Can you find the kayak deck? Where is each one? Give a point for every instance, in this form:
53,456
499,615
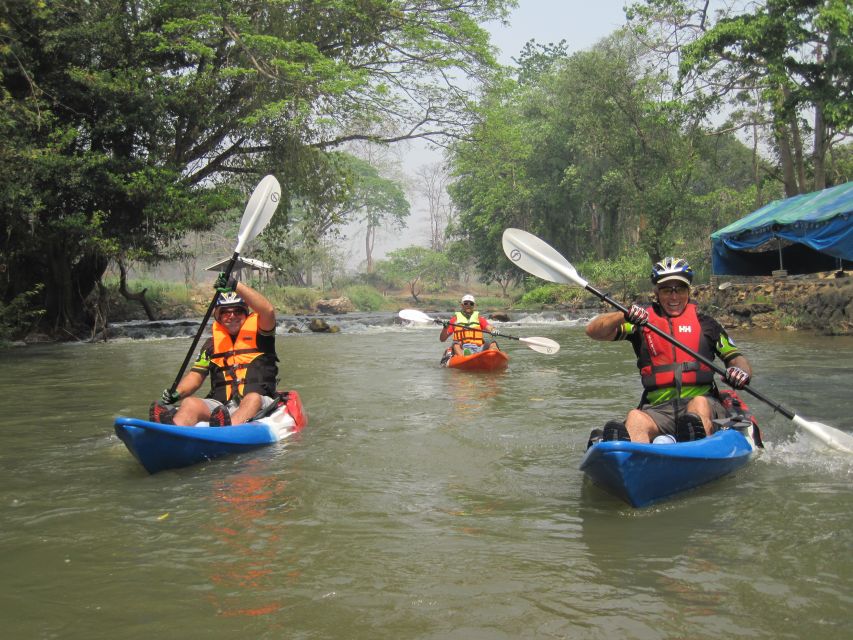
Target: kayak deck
165,446
487,360
642,473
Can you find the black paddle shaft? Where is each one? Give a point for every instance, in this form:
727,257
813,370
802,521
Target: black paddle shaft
228,269
663,334
499,335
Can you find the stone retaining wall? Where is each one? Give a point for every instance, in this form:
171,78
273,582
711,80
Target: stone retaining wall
823,304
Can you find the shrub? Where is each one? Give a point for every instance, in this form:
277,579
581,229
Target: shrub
17,317
364,297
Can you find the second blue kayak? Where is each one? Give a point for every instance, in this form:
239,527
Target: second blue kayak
166,446
642,473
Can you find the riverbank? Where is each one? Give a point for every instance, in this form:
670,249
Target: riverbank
821,303
818,303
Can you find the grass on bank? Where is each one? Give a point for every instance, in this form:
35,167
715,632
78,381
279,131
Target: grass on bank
626,278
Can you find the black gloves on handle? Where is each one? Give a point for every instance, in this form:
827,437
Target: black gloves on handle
737,377
636,314
170,397
225,285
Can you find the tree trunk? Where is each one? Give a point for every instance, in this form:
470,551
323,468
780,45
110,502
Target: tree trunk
819,153
139,297
785,158
369,239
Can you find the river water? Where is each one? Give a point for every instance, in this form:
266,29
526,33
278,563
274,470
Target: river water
419,502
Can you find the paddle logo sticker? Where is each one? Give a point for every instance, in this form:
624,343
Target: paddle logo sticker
515,255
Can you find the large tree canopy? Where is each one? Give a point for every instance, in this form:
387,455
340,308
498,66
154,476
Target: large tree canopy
127,123
590,152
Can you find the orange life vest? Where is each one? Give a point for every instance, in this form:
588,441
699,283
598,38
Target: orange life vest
467,330
238,369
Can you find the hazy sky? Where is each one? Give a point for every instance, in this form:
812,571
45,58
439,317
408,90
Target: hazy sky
581,23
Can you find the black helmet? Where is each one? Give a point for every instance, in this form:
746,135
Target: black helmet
672,269
230,299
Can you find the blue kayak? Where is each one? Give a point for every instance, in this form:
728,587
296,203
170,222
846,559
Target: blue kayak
642,473
165,446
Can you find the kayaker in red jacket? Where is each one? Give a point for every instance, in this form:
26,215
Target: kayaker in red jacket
467,328
680,397
239,358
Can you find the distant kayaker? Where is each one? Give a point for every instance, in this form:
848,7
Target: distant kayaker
239,358
680,397
467,328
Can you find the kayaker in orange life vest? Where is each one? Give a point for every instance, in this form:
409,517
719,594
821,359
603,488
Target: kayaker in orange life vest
239,358
465,328
680,397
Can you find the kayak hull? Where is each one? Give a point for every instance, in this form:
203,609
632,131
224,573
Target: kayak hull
642,474
488,360
158,447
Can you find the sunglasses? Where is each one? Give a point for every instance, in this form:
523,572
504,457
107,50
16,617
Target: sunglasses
679,289
467,304
236,311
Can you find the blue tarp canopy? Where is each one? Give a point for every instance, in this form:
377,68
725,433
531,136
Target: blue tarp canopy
804,234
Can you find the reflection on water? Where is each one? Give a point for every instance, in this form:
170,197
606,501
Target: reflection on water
470,392
248,526
419,502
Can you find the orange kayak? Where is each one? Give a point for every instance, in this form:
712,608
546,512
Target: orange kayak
489,360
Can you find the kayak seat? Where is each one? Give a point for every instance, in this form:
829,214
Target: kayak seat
615,430
689,427
281,398
594,437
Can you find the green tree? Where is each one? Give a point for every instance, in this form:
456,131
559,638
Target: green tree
593,152
126,124
377,201
782,68
418,268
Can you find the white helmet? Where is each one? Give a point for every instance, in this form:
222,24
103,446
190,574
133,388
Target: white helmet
230,299
672,269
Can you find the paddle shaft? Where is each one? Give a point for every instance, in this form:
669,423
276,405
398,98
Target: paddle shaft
228,269
663,334
500,335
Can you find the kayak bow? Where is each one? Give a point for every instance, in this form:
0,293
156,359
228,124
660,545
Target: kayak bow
166,446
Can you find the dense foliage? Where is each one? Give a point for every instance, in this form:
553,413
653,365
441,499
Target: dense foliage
586,154
126,124
624,146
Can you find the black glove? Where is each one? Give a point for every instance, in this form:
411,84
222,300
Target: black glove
170,397
737,377
224,284
636,314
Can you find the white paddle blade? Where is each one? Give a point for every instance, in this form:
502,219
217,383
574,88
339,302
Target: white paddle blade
539,258
259,210
413,315
830,436
542,345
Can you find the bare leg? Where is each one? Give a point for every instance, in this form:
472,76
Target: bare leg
191,411
249,406
640,426
702,408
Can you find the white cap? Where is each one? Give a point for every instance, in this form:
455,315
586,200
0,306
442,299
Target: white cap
468,298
